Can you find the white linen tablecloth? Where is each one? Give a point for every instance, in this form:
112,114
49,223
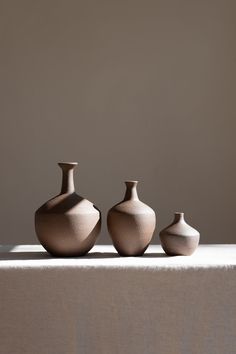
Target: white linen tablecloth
106,304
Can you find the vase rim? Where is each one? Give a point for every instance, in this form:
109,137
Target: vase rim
68,163
131,181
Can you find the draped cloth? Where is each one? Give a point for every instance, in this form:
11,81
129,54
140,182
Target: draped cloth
106,304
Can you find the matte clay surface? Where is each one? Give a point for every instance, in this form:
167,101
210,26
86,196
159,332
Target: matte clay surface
131,223
67,225
179,238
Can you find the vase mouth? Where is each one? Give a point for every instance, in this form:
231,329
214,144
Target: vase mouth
67,166
179,213
67,163
132,182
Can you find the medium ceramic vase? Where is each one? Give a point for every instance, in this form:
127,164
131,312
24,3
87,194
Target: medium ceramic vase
179,238
131,223
67,225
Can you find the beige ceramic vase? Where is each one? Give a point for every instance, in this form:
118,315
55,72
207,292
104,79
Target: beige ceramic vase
67,225
131,223
179,238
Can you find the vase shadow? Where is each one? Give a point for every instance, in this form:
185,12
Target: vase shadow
24,256
155,255
100,255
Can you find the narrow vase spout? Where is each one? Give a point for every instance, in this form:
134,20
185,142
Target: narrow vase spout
131,190
179,217
67,176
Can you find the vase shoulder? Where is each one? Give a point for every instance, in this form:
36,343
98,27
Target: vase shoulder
180,229
132,207
68,204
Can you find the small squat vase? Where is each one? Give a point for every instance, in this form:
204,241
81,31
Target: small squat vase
179,238
67,225
131,223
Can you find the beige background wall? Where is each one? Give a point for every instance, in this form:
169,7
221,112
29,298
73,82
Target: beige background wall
131,90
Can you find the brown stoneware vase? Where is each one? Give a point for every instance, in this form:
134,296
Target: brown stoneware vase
131,223
179,239
67,225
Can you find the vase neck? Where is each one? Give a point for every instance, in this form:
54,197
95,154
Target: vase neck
131,190
67,176
179,217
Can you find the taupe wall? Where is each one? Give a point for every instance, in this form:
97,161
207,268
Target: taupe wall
131,90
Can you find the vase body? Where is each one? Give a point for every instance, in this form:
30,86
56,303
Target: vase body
67,225
179,238
131,223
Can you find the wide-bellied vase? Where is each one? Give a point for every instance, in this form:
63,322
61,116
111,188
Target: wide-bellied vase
131,223
67,225
179,238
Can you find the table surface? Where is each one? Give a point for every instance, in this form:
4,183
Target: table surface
105,256
103,303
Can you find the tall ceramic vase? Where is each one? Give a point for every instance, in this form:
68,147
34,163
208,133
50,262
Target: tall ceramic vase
67,225
131,223
179,238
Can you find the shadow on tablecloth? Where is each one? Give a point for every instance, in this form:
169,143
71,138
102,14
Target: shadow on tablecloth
9,256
